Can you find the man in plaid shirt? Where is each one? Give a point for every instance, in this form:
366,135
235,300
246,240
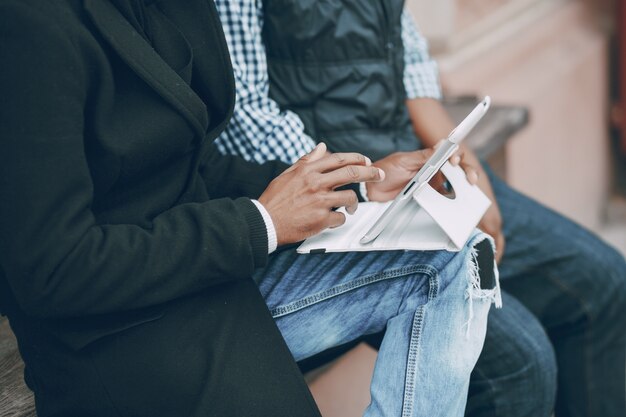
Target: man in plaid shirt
259,130
557,276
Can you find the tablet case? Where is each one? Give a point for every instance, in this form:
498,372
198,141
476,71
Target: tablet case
431,222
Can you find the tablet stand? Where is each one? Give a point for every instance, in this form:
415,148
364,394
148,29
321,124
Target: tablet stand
459,216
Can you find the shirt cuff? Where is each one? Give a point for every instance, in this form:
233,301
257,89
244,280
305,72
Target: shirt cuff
272,241
363,191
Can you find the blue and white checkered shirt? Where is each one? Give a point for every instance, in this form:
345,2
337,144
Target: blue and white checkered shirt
259,130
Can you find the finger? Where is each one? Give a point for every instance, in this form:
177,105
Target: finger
351,174
337,160
500,245
471,173
318,152
335,219
486,226
413,161
344,198
456,157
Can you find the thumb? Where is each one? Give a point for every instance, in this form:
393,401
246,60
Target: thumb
414,160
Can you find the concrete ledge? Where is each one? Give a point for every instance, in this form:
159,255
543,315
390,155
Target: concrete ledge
16,400
498,126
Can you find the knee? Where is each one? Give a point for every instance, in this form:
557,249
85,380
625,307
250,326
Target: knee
517,370
615,307
523,384
596,280
540,373
608,300
617,271
531,364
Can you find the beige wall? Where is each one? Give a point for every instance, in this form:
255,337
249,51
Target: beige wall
550,58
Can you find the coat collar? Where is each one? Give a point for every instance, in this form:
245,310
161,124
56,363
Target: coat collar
142,58
199,21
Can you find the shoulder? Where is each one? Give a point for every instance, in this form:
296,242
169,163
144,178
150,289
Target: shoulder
37,17
39,23
39,49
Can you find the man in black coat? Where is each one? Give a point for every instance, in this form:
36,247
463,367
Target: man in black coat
128,244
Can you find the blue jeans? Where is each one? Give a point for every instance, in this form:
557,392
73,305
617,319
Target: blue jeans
564,295
431,303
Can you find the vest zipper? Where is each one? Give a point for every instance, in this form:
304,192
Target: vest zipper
387,27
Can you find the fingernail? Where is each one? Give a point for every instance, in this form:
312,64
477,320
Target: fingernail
473,177
381,173
368,161
456,159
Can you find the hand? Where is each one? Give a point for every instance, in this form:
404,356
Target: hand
301,200
401,167
459,158
491,223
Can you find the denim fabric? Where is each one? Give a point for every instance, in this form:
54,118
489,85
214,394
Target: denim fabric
571,289
516,372
425,299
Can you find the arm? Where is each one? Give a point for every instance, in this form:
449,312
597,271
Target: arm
57,258
431,122
232,176
258,131
421,74
421,82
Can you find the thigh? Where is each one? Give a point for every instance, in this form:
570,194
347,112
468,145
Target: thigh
557,268
576,285
321,301
216,353
516,372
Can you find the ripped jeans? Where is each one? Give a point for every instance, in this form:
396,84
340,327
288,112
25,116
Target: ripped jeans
433,305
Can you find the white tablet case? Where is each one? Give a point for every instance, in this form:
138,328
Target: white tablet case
434,222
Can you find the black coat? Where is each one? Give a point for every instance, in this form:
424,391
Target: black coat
126,241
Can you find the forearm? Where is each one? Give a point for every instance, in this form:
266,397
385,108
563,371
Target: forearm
430,120
431,123
86,268
259,129
421,82
238,177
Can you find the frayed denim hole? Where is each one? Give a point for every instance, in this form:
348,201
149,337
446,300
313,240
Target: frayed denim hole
484,282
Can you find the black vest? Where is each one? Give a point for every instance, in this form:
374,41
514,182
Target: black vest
339,65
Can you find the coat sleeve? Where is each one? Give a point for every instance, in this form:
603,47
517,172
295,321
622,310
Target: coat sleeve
244,178
57,259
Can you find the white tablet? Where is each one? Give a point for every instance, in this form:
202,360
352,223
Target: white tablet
445,150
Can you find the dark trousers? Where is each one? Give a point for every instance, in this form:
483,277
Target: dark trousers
560,340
